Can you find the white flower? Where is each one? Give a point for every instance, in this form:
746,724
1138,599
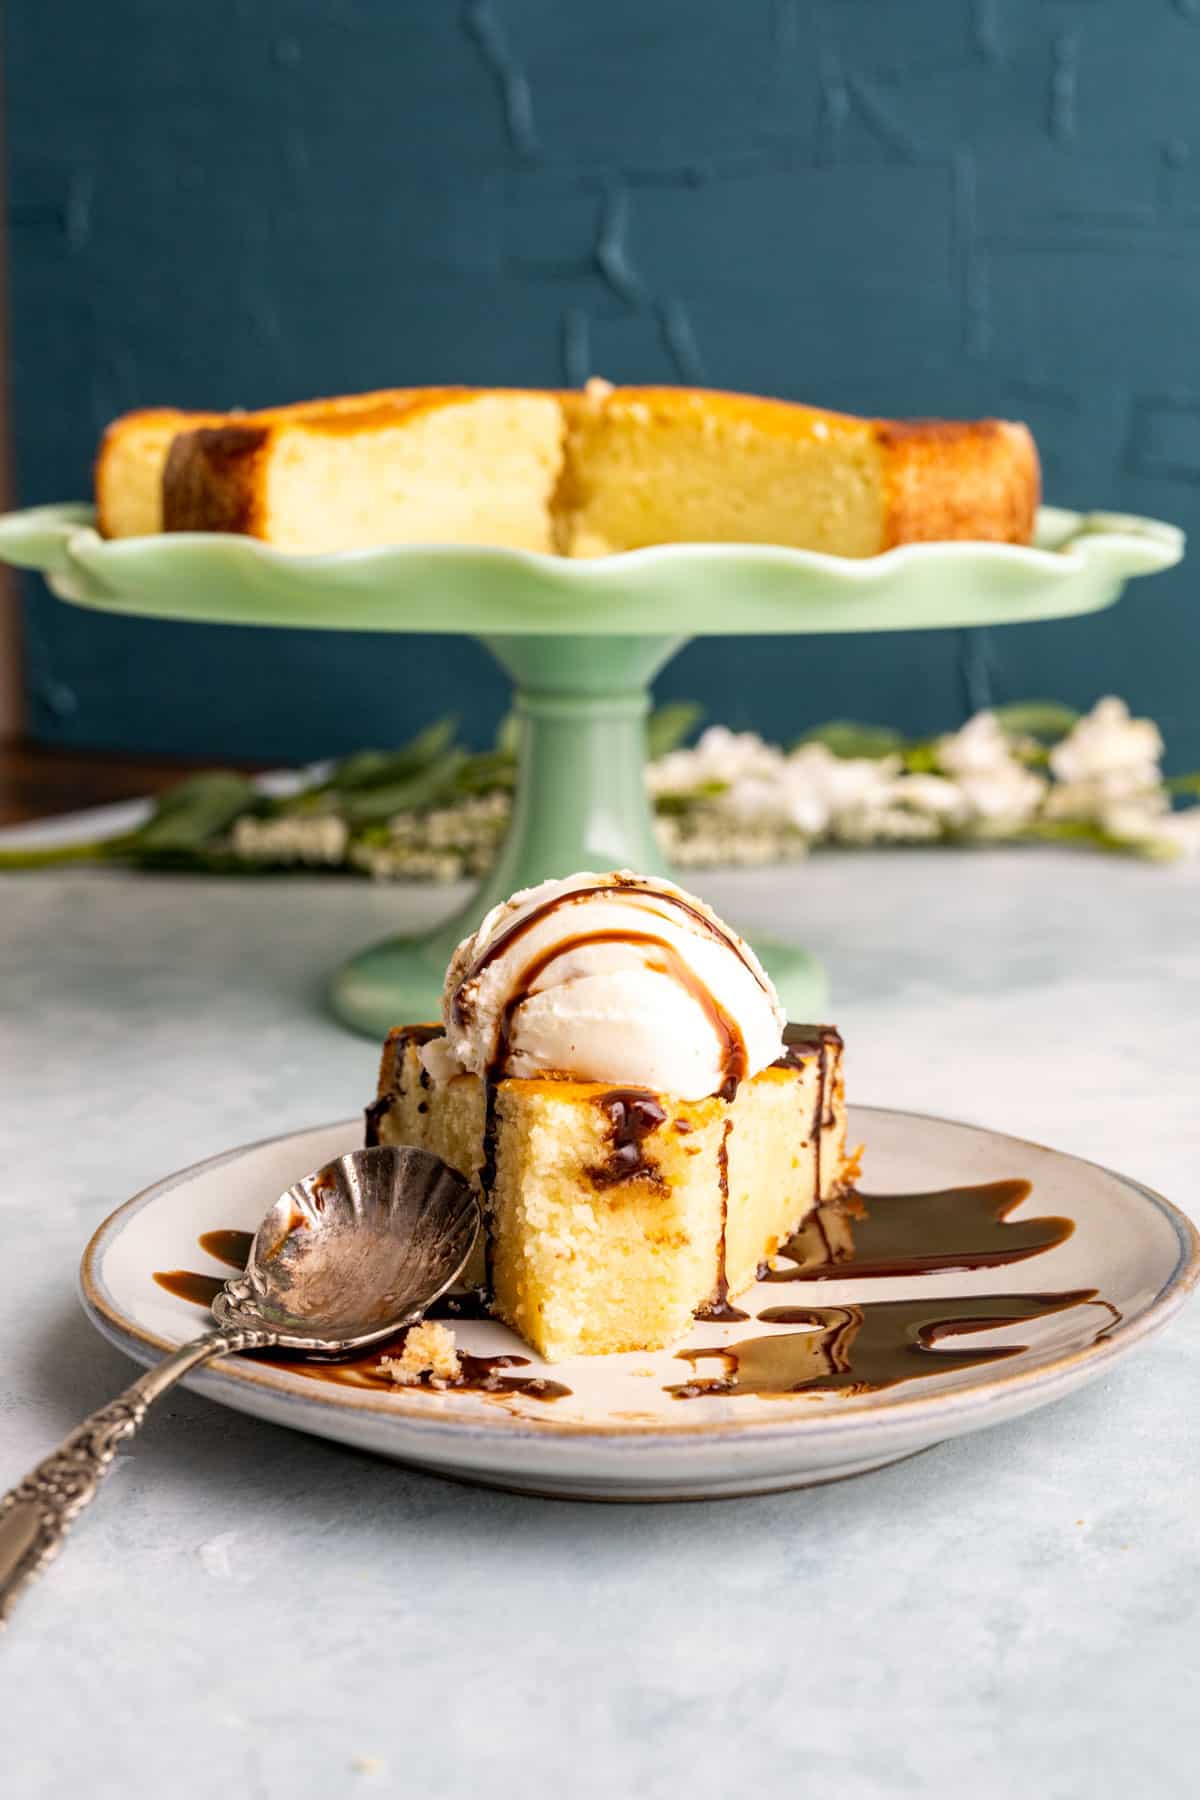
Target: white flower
903,809
319,839
709,838
1001,800
1107,803
764,800
932,794
855,799
981,747
720,756
1137,818
1109,747
999,793
885,825
1180,830
822,787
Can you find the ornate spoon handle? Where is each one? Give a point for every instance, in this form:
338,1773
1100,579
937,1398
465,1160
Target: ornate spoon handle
36,1514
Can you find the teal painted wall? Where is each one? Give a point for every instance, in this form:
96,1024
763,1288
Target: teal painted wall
940,206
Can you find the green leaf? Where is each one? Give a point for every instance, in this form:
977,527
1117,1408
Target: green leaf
189,816
1036,718
921,758
50,856
1183,784
428,787
382,768
1086,831
490,772
670,726
688,799
508,735
849,738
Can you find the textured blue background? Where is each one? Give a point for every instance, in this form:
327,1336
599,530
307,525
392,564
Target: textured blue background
940,206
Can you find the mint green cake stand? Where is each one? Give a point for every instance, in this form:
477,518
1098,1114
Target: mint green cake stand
582,641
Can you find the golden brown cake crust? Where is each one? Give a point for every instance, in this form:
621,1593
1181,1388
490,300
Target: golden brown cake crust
213,480
948,479
137,438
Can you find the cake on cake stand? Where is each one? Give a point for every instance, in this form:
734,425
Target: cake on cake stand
582,642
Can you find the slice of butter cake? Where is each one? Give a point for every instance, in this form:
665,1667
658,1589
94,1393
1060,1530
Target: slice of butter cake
612,1074
614,1215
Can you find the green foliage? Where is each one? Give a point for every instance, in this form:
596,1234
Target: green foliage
183,822
492,771
508,735
189,827
849,738
429,786
188,816
1094,837
388,768
670,726
1045,719
921,758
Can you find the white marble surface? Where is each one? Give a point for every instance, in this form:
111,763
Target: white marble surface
249,1611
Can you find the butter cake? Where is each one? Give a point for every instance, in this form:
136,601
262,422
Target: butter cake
617,1209
583,474
678,465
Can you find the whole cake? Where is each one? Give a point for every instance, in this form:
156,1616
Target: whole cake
613,1074
579,474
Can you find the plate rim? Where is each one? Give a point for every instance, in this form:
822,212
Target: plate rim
851,1416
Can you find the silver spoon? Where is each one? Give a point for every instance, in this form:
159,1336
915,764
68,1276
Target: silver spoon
350,1254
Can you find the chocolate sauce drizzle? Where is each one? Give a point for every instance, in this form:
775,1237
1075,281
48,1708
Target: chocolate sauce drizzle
391,1075
633,1114
861,1349
481,1374
799,1043
365,1367
487,1174
622,884
187,1284
718,1306
728,1032
229,1247
878,1235
373,1117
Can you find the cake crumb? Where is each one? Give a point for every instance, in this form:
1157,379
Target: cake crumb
367,1765
430,1354
852,1167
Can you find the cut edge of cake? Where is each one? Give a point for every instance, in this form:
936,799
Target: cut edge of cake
433,465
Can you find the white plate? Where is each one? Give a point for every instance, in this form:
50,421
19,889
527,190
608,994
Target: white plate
620,1435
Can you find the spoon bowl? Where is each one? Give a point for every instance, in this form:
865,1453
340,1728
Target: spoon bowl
355,1251
345,1257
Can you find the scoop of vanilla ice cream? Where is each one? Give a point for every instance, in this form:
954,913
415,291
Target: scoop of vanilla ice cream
616,977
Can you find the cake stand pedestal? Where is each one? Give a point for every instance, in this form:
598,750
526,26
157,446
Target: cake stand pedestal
580,803
582,642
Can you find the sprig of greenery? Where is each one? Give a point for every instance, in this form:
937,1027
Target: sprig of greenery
670,726
190,827
850,739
